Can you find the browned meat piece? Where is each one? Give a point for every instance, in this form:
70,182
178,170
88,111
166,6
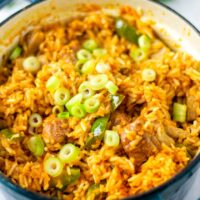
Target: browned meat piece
54,130
119,118
33,41
173,131
192,105
147,146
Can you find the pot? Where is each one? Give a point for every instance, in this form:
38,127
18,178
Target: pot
177,33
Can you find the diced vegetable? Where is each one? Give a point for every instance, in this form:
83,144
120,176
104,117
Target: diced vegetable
9,134
102,67
90,45
63,115
179,112
144,42
61,96
36,145
124,29
91,104
69,153
53,84
73,101
77,111
65,179
111,138
99,126
88,67
84,55
98,53
93,192
86,90
31,64
57,109
98,82
116,100
111,87
148,75
53,166
15,53
138,54
35,120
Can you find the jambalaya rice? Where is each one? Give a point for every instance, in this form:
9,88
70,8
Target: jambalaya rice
139,128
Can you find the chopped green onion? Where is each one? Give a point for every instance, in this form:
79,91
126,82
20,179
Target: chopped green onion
61,96
98,82
57,109
88,67
69,153
91,105
102,67
148,75
99,126
36,145
111,87
144,42
86,90
35,120
138,55
15,53
83,54
116,101
53,83
93,192
9,134
179,112
53,166
90,45
111,138
98,53
79,64
74,175
63,115
74,100
125,30
31,64
77,111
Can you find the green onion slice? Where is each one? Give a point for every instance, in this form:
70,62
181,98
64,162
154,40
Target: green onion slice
69,153
138,55
57,109
53,84
90,45
86,90
91,104
77,111
63,115
61,96
144,42
74,100
35,120
98,82
84,55
179,112
111,87
53,166
111,138
31,64
148,75
88,67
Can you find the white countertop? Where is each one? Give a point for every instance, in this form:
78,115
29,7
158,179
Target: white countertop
189,9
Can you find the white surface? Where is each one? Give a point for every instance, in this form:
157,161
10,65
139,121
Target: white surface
189,9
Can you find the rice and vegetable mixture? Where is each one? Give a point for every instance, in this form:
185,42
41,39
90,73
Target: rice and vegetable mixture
97,108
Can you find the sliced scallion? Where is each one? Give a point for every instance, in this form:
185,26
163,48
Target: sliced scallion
61,96
90,45
31,64
148,75
98,82
77,111
138,55
35,120
111,138
179,112
52,83
144,42
91,105
88,67
15,53
69,153
86,90
84,55
111,87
